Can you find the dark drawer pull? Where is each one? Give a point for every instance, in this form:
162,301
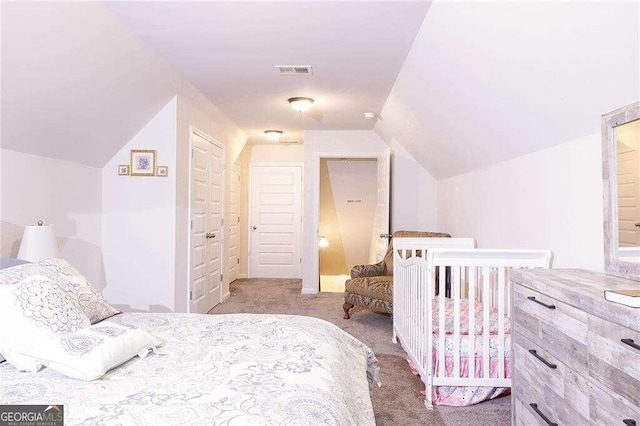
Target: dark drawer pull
533,299
631,343
549,422
544,361
629,422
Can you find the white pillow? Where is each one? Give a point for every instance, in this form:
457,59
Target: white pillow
90,299
89,353
17,274
34,311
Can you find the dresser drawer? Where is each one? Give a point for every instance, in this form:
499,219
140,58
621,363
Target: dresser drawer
532,408
612,362
607,409
551,384
555,326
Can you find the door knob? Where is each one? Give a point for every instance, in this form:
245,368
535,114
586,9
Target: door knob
385,235
254,228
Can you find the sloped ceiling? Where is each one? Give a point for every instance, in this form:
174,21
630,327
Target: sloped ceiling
76,83
485,82
229,50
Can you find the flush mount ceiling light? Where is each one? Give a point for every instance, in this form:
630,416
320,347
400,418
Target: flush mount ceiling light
372,116
273,135
301,104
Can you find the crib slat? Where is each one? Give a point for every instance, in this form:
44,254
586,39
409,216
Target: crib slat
414,307
441,322
486,285
472,322
501,285
456,320
423,327
428,355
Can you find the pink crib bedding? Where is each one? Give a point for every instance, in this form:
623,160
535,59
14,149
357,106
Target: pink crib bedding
460,396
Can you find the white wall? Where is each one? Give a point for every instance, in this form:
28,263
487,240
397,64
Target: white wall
349,143
551,199
58,192
138,239
414,198
489,81
276,153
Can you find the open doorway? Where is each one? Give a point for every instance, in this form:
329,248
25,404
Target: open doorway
347,218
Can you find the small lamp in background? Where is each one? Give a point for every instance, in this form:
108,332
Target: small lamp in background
323,242
38,243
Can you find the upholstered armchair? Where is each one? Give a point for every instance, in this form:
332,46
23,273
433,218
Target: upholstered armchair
371,286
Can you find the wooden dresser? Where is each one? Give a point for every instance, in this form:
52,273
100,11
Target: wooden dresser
576,356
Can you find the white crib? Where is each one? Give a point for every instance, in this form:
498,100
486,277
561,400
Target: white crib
475,275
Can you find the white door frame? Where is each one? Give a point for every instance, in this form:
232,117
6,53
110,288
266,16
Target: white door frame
250,206
195,131
315,266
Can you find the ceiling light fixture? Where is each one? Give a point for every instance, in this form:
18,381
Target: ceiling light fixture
301,104
372,116
273,135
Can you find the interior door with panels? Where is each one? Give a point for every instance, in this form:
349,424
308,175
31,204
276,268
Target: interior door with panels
233,270
276,222
207,167
628,196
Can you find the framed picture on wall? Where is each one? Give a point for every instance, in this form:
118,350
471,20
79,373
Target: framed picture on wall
123,170
143,162
162,171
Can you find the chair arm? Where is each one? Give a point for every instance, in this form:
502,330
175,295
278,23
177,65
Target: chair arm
361,271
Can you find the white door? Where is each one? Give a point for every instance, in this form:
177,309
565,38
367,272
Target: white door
276,222
207,166
234,223
382,207
628,197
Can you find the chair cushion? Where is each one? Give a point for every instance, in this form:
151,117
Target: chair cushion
373,287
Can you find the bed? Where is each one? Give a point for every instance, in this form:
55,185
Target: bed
218,369
65,344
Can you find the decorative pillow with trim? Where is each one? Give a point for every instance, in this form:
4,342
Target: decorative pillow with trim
89,353
89,298
16,274
33,311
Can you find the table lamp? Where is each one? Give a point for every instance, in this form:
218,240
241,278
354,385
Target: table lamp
38,243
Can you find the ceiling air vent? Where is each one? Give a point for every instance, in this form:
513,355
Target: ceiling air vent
295,69
289,141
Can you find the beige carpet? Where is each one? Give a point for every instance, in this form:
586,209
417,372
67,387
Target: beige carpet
398,401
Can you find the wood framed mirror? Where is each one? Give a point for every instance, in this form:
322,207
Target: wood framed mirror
621,191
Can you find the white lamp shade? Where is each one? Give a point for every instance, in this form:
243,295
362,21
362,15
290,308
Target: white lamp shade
323,242
38,243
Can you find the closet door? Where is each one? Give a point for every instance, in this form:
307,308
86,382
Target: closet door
207,167
233,270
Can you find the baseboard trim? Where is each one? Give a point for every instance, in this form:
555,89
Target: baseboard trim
243,276
309,291
225,297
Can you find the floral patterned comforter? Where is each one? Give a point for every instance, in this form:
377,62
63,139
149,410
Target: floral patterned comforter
218,369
